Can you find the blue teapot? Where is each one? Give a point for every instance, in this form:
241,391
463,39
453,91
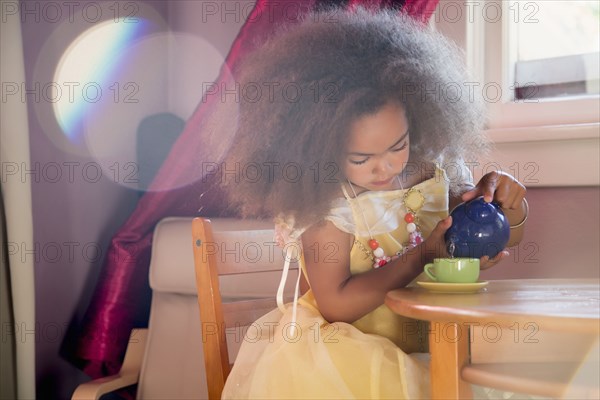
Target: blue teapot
478,229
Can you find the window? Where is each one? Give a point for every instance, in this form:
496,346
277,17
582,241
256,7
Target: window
536,62
557,47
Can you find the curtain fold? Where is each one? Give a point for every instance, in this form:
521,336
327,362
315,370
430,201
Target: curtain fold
121,299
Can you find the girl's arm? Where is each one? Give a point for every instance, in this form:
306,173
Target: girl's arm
509,193
344,297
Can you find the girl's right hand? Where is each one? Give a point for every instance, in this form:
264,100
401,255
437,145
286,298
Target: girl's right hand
435,245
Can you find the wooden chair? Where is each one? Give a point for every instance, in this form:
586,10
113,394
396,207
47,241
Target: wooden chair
226,247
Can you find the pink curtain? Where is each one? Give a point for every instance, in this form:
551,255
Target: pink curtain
121,300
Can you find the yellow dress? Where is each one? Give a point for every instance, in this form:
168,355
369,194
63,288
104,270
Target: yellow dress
368,359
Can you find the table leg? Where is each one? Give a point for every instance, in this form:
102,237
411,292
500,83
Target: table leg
449,348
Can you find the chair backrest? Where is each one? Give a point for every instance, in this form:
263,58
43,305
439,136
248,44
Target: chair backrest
229,247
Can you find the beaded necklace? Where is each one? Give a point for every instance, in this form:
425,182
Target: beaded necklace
412,200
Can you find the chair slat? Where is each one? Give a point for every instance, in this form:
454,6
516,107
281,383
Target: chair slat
244,313
229,247
246,251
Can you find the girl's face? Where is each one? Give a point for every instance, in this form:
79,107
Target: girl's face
378,148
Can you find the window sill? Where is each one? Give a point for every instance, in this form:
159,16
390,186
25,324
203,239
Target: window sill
543,133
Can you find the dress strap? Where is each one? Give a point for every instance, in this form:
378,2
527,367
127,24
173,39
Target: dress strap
288,238
346,194
290,248
292,253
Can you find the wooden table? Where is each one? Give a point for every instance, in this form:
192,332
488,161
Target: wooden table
557,305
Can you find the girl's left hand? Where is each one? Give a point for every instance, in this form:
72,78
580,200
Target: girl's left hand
505,190
500,187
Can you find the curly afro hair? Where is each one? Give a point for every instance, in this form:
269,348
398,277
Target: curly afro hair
302,89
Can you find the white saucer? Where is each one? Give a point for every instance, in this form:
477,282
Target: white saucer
441,287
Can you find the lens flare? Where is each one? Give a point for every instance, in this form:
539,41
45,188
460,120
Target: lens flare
124,91
83,74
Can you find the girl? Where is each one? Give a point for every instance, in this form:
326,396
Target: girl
352,146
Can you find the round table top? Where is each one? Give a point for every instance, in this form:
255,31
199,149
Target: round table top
571,305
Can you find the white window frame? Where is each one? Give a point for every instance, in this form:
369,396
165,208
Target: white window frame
509,113
560,137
